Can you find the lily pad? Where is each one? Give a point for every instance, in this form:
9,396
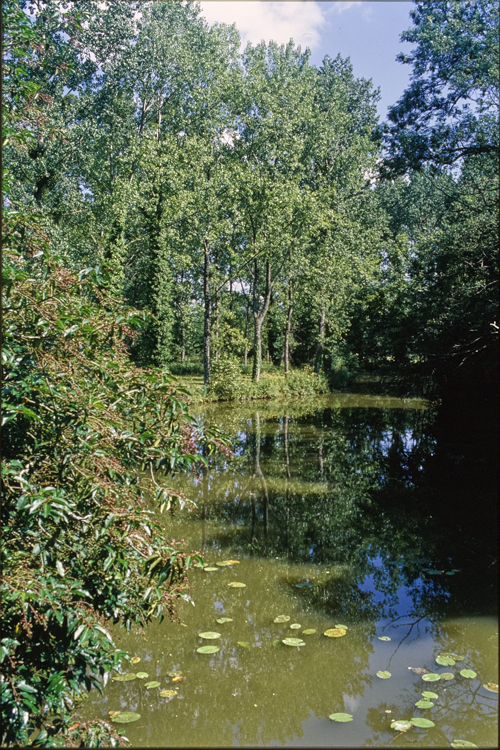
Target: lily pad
342,627
491,686
422,723
468,673
445,661
340,717
174,673
210,569
384,638
401,726
462,743
293,642
309,631
424,704
125,677
168,693
245,644
335,632
428,694
178,679
237,585
221,564
281,618
295,626
207,649
232,562
222,620
453,656
142,675
125,717
419,670
431,677
384,675
153,684
447,676
276,643
135,659
209,636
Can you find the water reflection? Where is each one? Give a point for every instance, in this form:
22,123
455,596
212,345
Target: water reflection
329,507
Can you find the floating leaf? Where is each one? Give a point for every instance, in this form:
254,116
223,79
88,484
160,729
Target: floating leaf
125,717
125,677
491,686
434,572
245,644
237,585
178,679
295,626
222,620
453,656
419,670
334,632
114,713
221,564
276,643
452,572
174,673
401,726
462,743
309,631
445,661
468,673
168,693
142,675
384,675
210,635
422,723
340,717
428,694
153,684
293,642
210,569
281,618
447,676
342,627
431,677
384,638
232,562
135,659
207,649
424,704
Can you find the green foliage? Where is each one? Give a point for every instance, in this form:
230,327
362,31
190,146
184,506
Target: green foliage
225,379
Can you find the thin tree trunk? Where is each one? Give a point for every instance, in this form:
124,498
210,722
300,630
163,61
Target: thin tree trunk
318,357
259,318
286,349
206,324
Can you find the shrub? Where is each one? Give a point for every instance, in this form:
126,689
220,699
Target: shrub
225,379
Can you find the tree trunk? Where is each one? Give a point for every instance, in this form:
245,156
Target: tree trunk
259,318
206,325
318,357
286,348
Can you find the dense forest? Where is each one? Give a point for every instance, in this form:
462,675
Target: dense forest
173,204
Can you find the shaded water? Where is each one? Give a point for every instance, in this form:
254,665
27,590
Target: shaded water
340,510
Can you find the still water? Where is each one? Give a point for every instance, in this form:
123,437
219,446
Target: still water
340,510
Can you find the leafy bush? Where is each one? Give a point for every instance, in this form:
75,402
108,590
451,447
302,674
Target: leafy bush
79,545
225,379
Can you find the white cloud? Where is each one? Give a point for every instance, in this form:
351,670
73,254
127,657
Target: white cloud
280,21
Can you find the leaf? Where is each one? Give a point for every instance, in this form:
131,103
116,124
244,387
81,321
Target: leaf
178,679
125,717
447,676
153,684
221,564
342,627
462,743
491,686
445,661
293,642
60,568
281,618
334,633
340,717
383,675
142,675
222,620
468,673
237,585
424,704
207,649
309,631
453,656
431,677
174,673
168,693
422,723
135,659
124,677
210,569
295,626
428,694
245,644
209,635
401,726
384,638
276,643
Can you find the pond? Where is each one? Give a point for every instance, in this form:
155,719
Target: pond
341,512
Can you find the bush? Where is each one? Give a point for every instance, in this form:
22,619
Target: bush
226,382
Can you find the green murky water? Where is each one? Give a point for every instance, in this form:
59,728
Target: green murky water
341,510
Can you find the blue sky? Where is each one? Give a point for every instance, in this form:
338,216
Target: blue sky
366,31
